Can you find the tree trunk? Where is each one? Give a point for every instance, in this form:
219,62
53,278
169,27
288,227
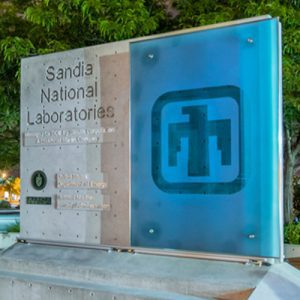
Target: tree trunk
288,188
291,154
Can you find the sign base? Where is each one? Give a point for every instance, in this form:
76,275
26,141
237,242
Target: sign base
32,270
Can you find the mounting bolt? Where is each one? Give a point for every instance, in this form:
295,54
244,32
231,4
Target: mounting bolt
251,236
250,40
151,230
150,55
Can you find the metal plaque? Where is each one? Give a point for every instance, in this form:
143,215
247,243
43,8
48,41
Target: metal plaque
39,180
38,200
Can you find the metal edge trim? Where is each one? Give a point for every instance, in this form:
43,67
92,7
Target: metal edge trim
202,28
280,144
154,251
129,151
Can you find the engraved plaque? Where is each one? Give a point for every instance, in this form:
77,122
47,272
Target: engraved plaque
38,200
75,146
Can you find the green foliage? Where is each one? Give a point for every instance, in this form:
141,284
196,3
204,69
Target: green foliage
4,204
14,47
94,21
13,227
292,233
14,44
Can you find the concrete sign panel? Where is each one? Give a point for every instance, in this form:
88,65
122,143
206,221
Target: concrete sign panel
75,150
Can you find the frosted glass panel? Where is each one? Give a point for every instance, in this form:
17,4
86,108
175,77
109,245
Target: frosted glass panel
204,132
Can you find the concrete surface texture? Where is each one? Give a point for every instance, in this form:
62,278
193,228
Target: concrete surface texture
281,282
31,271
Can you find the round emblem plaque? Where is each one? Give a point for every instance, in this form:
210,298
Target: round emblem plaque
38,180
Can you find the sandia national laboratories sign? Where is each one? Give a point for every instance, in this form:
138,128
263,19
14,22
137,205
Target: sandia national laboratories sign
162,142
65,93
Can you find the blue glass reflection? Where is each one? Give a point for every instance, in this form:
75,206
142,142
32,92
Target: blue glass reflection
204,125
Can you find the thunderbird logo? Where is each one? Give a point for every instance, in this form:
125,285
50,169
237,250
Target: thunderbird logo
196,141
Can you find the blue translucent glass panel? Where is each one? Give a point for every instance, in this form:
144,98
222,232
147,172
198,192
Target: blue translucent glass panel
204,132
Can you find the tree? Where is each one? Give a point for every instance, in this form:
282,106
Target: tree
11,24
12,186
31,27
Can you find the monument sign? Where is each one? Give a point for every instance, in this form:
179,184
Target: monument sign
172,141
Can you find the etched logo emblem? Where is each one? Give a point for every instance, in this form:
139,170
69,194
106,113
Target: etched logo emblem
38,180
196,142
